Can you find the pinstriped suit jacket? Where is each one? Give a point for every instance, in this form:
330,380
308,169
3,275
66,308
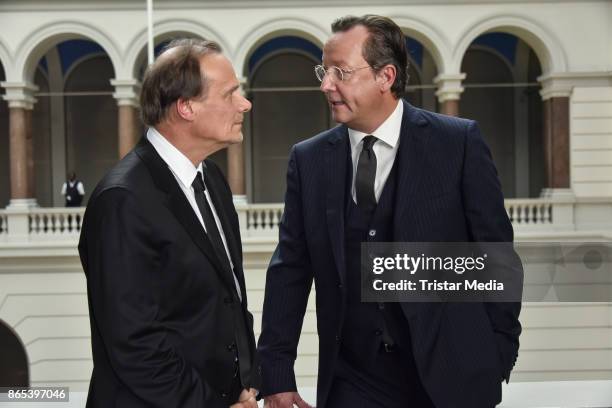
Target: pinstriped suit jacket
448,191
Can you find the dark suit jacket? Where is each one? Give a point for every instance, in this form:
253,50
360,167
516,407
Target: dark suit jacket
163,309
447,191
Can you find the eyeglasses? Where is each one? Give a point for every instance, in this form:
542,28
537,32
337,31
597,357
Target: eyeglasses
337,74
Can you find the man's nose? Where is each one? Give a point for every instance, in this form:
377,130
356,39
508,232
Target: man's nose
327,84
245,104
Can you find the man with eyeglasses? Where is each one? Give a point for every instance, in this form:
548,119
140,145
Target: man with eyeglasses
389,172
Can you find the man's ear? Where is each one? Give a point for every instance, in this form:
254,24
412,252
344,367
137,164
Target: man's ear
386,77
184,109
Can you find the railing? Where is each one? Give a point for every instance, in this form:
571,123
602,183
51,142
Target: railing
55,222
257,220
529,211
40,224
3,224
538,214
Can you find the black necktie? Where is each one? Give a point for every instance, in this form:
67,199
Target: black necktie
242,351
366,175
209,220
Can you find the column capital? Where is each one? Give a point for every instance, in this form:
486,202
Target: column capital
127,91
556,85
19,94
449,86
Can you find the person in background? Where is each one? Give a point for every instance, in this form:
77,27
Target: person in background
73,190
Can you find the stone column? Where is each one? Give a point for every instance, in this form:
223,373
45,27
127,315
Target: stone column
449,92
127,93
30,153
20,98
556,138
235,171
235,165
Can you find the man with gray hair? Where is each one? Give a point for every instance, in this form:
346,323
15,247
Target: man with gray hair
161,249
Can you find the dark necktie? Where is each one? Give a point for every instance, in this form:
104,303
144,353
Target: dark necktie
209,221
366,175
241,349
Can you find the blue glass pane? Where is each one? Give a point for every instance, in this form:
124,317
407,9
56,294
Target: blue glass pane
284,43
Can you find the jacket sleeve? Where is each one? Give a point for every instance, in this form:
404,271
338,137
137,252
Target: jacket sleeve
121,258
488,222
288,283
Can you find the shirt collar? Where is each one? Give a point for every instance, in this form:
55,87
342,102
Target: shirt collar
179,164
388,131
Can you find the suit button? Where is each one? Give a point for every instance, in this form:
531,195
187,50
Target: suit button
230,347
339,286
372,233
378,332
381,306
223,394
235,359
337,338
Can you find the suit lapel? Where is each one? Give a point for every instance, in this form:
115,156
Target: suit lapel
179,206
214,187
411,156
335,166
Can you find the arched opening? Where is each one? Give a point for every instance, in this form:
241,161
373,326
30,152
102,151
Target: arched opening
502,94
42,120
91,117
14,370
421,90
74,122
220,157
5,180
160,42
287,107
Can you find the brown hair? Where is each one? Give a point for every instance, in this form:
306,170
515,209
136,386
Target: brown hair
173,76
385,45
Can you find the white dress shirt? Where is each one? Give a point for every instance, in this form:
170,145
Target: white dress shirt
185,172
79,186
385,148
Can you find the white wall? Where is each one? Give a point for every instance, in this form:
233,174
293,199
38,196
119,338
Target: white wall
43,297
591,141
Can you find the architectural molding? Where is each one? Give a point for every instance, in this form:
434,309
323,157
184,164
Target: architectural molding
42,38
449,86
429,36
565,195
137,45
19,94
561,84
546,46
21,204
555,87
127,91
104,5
6,59
272,28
